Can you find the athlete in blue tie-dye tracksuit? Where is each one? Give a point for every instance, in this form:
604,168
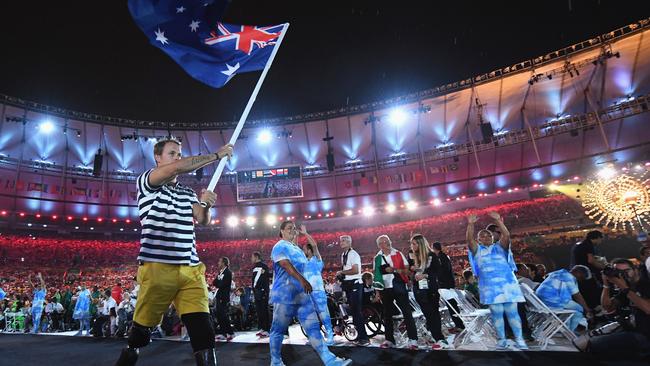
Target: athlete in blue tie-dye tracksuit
314,274
559,290
82,310
290,296
37,302
494,266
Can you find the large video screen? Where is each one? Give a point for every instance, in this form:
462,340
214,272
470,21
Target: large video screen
268,184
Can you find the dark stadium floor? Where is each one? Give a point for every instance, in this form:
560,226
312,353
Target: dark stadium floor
21,349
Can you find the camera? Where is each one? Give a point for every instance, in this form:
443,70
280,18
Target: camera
611,271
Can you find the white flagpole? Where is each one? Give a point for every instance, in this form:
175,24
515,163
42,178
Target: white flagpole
242,119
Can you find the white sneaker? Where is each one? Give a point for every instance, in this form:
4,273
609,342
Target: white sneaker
340,362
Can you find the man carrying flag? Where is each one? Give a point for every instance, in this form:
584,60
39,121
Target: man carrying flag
170,271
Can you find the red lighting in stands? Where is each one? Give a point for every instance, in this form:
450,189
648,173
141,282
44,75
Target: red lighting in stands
22,214
516,188
319,215
69,218
556,181
38,216
128,221
535,185
99,219
332,214
114,220
448,199
463,197
85,219
499,191
217,221
54,217
3,213
306,216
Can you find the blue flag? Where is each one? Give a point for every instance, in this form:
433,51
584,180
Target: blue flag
191,33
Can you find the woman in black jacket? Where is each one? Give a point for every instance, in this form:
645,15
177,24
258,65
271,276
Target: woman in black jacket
425,287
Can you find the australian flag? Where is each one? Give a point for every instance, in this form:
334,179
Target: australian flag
191,33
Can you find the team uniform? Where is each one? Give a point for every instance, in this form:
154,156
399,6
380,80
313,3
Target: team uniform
289,301
498,287
314,274
557,291
37,309
170,270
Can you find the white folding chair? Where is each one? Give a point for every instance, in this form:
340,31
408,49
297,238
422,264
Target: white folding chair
477,321
544,321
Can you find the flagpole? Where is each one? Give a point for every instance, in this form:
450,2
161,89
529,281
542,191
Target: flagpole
242,119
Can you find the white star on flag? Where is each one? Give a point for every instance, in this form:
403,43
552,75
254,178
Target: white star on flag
180,10
195,25
231,71
160,36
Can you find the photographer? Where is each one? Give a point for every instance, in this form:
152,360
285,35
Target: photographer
625,292
350,278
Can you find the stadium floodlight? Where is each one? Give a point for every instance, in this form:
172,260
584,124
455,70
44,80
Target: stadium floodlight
397,117
607,172
390,208
436,202
232,221
264,136
46,126
368,211
347,212
251,220
411,205
271,219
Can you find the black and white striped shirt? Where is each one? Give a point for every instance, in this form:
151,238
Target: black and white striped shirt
167,223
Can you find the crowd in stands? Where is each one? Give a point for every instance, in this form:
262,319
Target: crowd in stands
69,266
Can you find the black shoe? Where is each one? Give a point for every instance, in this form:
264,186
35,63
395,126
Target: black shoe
128,357
206,357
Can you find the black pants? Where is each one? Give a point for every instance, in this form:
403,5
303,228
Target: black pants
457,322
402,300
429,301
223,319
99,324
354,294
262,309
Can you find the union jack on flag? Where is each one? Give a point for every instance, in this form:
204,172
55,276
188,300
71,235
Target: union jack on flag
191,33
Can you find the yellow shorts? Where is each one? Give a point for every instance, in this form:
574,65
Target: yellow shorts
162,284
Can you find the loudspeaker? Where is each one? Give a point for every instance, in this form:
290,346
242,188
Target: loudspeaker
97,164
330,162
486,131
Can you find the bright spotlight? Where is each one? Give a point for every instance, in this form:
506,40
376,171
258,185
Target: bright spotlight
390,208
251,220
46,126
397,117
368,211
271,220
607,172
436,202
232,221
264,136
411,205
348,213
